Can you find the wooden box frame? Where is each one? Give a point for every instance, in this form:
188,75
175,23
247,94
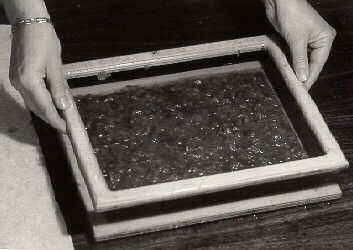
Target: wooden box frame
103,199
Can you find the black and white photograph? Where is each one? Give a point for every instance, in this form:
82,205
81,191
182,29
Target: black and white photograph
180,124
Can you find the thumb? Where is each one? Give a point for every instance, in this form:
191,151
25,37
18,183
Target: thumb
299,51
58,86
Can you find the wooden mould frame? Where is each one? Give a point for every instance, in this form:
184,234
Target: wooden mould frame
103,199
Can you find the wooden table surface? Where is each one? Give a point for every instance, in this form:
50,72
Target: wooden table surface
94,29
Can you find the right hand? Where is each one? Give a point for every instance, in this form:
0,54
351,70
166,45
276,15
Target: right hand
36,72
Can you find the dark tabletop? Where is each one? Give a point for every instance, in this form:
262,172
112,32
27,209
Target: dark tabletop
94,29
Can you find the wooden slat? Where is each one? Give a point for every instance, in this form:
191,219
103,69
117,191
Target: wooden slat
111,230
164,57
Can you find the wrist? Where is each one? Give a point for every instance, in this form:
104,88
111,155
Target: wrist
17,10
30,21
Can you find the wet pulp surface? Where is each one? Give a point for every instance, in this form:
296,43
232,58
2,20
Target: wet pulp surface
188,128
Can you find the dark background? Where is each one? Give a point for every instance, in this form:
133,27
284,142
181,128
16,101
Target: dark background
92,29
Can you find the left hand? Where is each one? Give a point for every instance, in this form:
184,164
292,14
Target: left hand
308,35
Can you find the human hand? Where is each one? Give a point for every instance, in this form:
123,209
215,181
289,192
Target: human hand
36,72
306,32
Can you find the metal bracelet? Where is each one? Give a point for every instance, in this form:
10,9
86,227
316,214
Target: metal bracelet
28,21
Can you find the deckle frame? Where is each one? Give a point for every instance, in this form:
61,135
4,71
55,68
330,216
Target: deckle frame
104,199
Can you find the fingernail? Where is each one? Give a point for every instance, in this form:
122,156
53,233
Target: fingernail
62,103
302,75
69,98
69,101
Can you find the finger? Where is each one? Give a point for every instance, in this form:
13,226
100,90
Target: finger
57,85
56,122
299,50
318,57
33,107
39,100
